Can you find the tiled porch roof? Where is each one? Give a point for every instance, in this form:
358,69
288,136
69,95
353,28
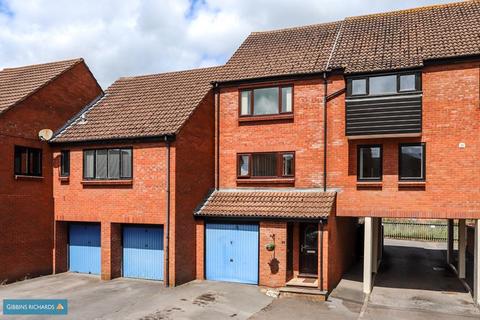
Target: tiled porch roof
297,204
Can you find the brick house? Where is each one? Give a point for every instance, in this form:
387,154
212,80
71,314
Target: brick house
33,98
129,171
379,113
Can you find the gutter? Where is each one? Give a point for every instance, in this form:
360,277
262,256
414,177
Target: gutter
167,140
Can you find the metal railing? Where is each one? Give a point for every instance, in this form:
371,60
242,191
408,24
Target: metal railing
418,230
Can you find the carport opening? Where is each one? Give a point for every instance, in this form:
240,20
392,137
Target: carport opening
419,254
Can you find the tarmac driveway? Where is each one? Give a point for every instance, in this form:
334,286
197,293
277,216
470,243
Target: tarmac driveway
413,283
90,298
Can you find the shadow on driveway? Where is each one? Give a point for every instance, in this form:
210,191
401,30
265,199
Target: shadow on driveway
90,298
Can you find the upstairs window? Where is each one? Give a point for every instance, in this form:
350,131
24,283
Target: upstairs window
28,161
111,164
412,161
369,164
266,101
65,163
266,165
384,85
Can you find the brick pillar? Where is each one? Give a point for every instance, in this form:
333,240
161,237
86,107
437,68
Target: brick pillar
60,254
111,250
327,263
200,252
273,264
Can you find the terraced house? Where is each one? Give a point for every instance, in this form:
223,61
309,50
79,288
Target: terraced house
259,170
374,116
131,168
33,98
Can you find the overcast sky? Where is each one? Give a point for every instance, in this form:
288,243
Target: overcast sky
122,38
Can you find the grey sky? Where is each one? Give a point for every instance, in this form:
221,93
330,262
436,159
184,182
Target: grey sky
123,38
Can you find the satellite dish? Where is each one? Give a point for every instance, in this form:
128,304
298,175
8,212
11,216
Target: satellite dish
45,134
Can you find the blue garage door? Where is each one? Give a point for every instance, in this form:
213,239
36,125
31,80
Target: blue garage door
84,248
232,252
143,252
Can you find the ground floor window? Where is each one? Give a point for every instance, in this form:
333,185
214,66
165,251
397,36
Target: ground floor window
28,161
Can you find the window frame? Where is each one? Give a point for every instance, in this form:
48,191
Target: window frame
121,176
418,84
279,165
424,161
380,178
251,107
28,150
62,163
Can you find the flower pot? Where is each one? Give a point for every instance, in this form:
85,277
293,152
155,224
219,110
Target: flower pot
270,247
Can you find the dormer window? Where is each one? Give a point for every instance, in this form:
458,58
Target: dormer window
266,101
378,85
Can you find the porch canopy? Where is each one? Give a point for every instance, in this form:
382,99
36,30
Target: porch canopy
286,204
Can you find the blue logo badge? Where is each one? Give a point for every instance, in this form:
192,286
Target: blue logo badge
35,306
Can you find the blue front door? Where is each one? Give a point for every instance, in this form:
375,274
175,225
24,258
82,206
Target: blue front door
143,252
232,252
84,248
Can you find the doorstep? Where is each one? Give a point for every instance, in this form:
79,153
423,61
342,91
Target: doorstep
303,287
305,292
303,282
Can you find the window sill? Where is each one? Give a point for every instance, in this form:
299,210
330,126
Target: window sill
272,117
64,179
413,184
128,182
267,181
369,183
30,178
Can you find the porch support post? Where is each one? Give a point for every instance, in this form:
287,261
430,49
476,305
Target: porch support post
450,241
367,255
476,264
380,241
375,245
462,247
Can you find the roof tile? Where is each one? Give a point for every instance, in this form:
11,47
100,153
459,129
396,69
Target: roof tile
268,204
143,106
16,84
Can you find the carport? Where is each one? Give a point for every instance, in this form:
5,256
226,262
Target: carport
417,265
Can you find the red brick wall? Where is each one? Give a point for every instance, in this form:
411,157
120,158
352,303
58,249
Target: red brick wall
451,115
111,252
200,251
273,264
26,218
302,135
60,251
194,178
144,201
141,202
341,248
